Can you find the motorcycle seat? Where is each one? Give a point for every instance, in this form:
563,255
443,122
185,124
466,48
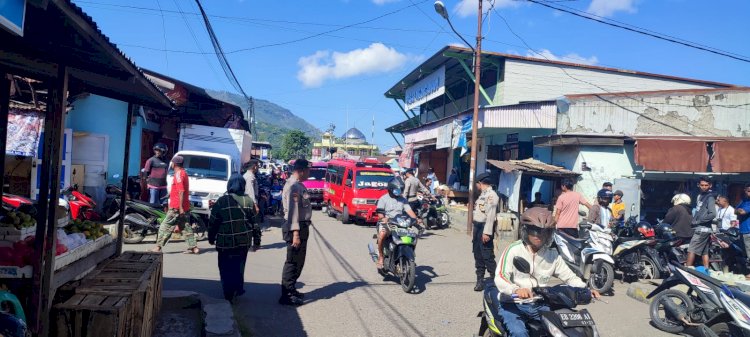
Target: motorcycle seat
576,242
157,206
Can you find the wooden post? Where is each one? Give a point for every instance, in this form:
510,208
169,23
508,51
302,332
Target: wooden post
125,168
49,192
4,110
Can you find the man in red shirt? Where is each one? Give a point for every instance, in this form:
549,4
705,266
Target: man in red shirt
566,209
179,209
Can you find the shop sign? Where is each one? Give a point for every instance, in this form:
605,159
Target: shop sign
426,89
12,14
511,138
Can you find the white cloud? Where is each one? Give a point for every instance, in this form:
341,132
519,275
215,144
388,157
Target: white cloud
572,57
382,2
469,7
324,65
610,7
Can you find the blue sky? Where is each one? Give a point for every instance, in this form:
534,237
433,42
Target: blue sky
323,77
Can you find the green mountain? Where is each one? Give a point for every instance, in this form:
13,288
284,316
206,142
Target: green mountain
273,120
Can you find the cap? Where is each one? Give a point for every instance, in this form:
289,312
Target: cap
178,159
409,170
608,184
484,178
301,164
618,192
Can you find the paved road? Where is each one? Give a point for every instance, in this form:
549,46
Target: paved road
347,297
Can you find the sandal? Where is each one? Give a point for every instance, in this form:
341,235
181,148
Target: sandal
195,251
379,265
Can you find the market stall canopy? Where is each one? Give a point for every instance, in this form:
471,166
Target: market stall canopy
533,167
730,156
57,32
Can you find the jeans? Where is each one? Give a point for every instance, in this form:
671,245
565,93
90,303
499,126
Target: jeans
516,315
484,253
155,195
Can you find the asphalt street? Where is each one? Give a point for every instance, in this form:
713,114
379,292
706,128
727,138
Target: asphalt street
345,296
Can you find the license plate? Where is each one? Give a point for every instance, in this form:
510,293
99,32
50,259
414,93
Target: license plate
576,319
197,204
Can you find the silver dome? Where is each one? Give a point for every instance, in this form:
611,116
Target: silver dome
354,135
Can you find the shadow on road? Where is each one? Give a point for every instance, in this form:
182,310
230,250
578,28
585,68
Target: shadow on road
332,290
424,275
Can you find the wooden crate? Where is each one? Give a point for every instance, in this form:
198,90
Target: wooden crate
94,315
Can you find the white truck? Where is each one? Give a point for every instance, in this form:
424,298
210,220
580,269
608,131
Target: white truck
211,155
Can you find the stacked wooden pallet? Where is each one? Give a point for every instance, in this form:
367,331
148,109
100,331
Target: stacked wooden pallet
122,296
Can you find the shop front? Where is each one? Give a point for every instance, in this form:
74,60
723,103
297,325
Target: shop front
60,51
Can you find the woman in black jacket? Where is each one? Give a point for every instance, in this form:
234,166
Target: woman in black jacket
680,217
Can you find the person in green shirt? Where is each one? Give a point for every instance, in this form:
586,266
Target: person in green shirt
230,229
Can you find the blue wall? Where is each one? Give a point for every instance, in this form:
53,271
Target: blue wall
102,115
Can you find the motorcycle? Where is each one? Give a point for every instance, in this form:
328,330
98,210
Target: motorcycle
709,308
428,212
590,258
82,205
399,250
143,219
733,252
635,251
672,248
562,319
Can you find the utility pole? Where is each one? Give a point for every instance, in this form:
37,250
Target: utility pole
474,120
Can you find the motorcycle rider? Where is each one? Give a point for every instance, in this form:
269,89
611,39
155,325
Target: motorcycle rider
537,231
601,214
412,186
155,172
391,205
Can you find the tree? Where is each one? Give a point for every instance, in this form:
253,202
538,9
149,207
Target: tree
295,144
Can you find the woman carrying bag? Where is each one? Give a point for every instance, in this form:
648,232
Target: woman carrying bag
230,229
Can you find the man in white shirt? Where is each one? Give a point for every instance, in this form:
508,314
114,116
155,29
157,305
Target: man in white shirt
725,213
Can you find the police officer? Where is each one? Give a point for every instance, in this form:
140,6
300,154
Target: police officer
413,186
485,212
296,230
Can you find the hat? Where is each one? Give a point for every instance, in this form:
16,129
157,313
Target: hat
619,192
484,178
409,170
178,159
301,164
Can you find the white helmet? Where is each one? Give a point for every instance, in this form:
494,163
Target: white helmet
681,199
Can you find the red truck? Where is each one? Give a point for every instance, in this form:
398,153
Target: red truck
315,183
352,188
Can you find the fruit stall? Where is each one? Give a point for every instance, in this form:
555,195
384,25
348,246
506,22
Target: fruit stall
63,277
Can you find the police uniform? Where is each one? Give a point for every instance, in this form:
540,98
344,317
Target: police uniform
485,212
412,186
298,210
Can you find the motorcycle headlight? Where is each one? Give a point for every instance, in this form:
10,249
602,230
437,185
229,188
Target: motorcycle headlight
552,328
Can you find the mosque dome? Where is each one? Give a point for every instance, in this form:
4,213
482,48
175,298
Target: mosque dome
354,136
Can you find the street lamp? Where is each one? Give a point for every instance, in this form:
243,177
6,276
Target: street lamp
440,9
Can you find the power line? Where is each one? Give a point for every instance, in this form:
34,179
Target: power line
164,33
645,32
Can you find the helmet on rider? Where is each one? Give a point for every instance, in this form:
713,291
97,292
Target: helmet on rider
604,196
160,147
537,227
395,187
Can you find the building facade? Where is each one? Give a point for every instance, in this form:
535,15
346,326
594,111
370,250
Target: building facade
352,144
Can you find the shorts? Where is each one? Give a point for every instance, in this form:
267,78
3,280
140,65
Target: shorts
700,242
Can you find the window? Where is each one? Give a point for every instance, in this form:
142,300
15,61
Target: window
348,175
206,167
317,174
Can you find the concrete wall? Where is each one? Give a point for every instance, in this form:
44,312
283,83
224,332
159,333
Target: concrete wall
102,115
532,81
606,164
725,114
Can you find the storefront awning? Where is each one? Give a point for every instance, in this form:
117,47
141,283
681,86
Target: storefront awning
533,167
730,156
671,155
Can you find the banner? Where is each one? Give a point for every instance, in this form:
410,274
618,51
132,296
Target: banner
432,86
406,159
444,136
465,128
24,128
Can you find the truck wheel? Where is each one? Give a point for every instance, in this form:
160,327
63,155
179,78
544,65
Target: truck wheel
329,211
345,216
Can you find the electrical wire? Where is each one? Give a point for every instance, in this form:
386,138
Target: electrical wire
164,34
644,32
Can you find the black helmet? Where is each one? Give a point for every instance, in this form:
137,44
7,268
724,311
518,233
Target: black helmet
395,187
646,230
665,231
539,222
605,194
161,147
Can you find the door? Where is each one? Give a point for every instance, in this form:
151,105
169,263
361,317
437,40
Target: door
631,190
65,170
92,151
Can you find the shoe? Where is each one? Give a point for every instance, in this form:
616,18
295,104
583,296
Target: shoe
480,285
295,292
290,299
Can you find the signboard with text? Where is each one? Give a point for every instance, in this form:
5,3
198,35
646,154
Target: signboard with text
433,85
12,14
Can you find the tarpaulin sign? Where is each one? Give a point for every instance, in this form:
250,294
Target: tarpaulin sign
24,128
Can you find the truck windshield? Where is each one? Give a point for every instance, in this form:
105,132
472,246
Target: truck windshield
373,179
317,174
206,167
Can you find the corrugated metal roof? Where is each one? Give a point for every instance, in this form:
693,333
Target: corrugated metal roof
539,115
533,167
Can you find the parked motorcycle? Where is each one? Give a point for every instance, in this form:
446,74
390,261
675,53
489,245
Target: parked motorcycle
590,258
733,252
561,320
428,212
635,251
399,250
709,308
82,205
671,248
143,219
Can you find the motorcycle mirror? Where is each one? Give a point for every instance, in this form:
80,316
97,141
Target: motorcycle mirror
521,265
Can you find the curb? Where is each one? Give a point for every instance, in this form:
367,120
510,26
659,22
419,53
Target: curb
639,294
217,313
